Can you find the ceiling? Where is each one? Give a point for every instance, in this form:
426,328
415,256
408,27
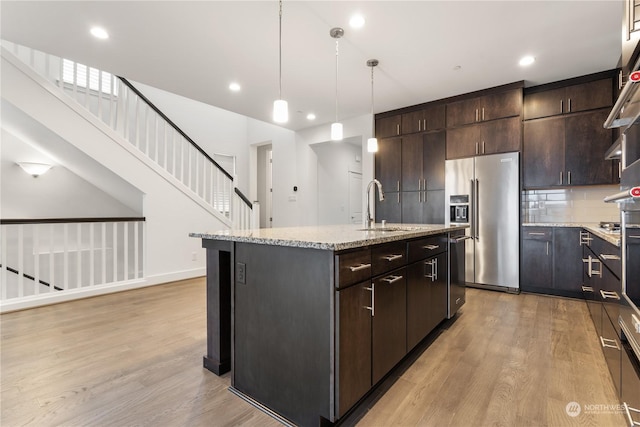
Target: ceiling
196,48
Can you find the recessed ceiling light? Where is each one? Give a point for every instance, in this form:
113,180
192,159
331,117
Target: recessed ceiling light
356,21
235,87
311,116
457,68
527,60
99,33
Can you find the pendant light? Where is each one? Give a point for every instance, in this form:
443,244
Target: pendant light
336,127
372,143
280,106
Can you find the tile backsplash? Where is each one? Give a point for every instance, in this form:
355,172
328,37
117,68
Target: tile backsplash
577,204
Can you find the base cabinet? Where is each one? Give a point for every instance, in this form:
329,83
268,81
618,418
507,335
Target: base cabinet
389,327
354,344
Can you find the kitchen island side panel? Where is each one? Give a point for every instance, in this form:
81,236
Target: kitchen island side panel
283,330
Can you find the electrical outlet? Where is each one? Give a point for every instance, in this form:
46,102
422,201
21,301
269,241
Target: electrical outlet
241,273
194,256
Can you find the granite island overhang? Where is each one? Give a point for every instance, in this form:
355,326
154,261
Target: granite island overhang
309,319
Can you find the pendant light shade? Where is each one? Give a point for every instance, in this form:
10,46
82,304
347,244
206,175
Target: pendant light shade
336,131
372,143
336,128
280,106
280,111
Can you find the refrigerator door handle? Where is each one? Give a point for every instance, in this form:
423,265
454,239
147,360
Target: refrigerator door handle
473,210
477,208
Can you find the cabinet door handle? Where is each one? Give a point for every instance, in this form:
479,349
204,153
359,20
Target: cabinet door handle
547,248
424,125
392,257
476,114
561,177
569,106
561,106
359,267
569,177
372,308
483,141
592,271
433,263
419,125
477,148
587,289
607,343
398,129
610,257
483,114
392,279
609,295
431,247
535,233
585,238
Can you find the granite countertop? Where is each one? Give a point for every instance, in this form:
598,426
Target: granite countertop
612,237
328,237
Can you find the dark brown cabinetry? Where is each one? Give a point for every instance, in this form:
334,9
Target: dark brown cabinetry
388,164
426,294
388,126
569,99
483,108
423,162
497,136
430,118
354,344
552,261
562,151
389,327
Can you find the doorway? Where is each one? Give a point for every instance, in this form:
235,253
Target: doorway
355,197
265,184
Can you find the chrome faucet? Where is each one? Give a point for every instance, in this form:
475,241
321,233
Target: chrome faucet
369,220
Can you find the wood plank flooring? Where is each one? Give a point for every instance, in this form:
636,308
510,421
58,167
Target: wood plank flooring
135,359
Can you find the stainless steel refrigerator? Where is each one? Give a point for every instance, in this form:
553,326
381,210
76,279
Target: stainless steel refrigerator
484,192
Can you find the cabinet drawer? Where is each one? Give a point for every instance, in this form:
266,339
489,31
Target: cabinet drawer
428,247
353,267
537,233
630,378
608,253
611,348
388,256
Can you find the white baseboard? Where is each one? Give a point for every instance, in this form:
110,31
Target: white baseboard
33,301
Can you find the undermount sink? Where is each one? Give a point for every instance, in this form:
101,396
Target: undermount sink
389,229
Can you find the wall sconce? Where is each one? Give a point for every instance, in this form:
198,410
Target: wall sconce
34,169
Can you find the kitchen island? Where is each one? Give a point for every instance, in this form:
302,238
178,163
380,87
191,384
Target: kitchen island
309,319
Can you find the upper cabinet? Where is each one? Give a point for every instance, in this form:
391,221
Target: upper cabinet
488,107
496,136
569,99
388,126
430,118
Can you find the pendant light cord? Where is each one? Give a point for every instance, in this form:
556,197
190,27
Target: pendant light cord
336,80
373,121
280,52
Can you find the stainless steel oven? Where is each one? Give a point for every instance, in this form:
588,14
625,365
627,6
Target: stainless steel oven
626,115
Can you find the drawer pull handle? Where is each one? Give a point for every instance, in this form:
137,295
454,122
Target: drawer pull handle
633,237
627,411
359,267
609,295
431,247
535,233
372,289
392,279
392,257
607,343
587,289
610,257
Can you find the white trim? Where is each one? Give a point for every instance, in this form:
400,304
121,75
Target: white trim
74,294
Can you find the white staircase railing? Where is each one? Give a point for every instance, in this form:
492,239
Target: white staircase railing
119,105
40,258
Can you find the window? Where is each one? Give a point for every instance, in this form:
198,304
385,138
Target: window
72,72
